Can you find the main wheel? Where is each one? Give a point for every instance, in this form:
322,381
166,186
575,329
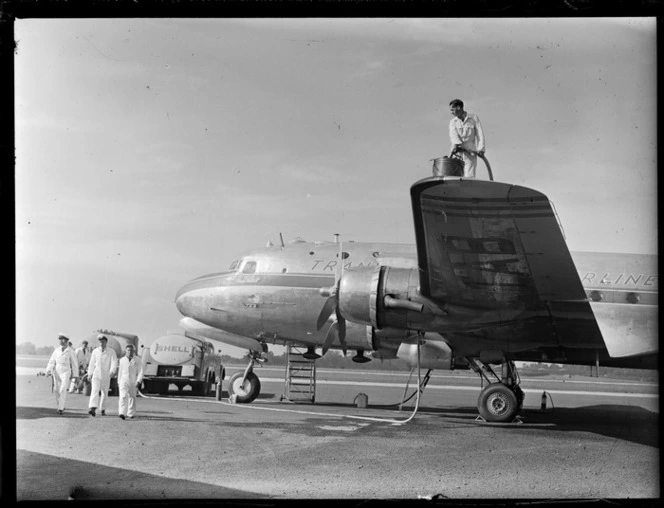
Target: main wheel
247,391
497,403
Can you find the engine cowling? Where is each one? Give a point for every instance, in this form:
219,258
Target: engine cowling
385,343
381,297
433,355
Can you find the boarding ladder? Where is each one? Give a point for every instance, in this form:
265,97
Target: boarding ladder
300,381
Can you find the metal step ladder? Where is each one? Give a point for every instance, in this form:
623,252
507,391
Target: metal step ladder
300,381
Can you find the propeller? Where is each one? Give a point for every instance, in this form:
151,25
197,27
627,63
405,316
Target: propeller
338,327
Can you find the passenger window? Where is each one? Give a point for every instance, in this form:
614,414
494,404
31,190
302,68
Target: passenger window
249,267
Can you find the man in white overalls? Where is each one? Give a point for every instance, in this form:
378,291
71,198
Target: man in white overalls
102,367
83,354
130,376
466,136
62,366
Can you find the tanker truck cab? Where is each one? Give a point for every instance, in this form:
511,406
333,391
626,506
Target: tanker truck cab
181,360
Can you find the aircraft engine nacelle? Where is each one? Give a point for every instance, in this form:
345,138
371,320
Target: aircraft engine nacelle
381,297
433,355
385,343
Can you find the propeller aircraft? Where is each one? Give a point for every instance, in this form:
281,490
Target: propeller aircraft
489,282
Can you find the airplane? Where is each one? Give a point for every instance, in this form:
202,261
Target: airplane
490,281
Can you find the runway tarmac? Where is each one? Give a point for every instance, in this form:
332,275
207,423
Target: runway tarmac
599,440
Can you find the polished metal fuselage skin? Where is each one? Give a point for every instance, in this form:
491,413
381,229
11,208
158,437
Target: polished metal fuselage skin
278,299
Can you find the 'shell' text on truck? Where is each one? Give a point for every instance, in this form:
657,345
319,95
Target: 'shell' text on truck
181,360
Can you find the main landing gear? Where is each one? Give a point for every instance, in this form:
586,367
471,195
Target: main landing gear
245,385
502,398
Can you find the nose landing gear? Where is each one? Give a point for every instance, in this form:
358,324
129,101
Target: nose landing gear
245,385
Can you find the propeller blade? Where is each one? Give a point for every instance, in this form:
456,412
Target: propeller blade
340,266
342,326
329,338
344,347
341,330
326,311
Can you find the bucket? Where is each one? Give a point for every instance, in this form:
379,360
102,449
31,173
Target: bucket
361,400
447,166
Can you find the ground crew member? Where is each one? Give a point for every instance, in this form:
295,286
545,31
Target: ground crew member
466,136
83,354
130,376
102,367
62,366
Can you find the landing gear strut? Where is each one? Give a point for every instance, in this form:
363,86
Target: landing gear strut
502,398
245,385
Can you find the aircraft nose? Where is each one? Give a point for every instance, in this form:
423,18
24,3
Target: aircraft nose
183,300
189,299
195,298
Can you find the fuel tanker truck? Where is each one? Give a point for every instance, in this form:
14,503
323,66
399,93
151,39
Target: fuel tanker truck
181,360
117,342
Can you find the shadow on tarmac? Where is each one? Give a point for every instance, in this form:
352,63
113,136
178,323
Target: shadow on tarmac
35,413
630,423
89,481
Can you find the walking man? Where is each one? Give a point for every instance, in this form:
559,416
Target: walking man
130,376
83,355
466,136
103,366
62,366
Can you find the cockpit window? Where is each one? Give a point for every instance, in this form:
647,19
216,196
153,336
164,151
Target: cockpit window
234,265
249,267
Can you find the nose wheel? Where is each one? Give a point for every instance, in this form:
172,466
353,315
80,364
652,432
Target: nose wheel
245,385
246,391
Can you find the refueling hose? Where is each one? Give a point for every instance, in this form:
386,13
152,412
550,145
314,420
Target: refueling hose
357,417
480,155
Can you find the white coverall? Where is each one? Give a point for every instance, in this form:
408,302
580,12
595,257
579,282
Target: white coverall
102,367
469,134
83,358
63,366
130,373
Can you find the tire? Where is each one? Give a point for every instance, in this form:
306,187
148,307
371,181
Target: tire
498,403
244,393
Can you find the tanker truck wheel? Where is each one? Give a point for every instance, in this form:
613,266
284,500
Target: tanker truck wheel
246,392
498,403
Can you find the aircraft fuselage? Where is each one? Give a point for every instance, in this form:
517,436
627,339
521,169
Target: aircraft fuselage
274,294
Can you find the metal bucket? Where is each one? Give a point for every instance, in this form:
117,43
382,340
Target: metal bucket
447,166
361,400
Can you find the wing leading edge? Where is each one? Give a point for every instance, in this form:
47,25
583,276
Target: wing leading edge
489,246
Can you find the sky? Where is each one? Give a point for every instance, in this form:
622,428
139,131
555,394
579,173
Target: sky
153,151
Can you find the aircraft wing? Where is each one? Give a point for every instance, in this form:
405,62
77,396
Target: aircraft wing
197,329
489,246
